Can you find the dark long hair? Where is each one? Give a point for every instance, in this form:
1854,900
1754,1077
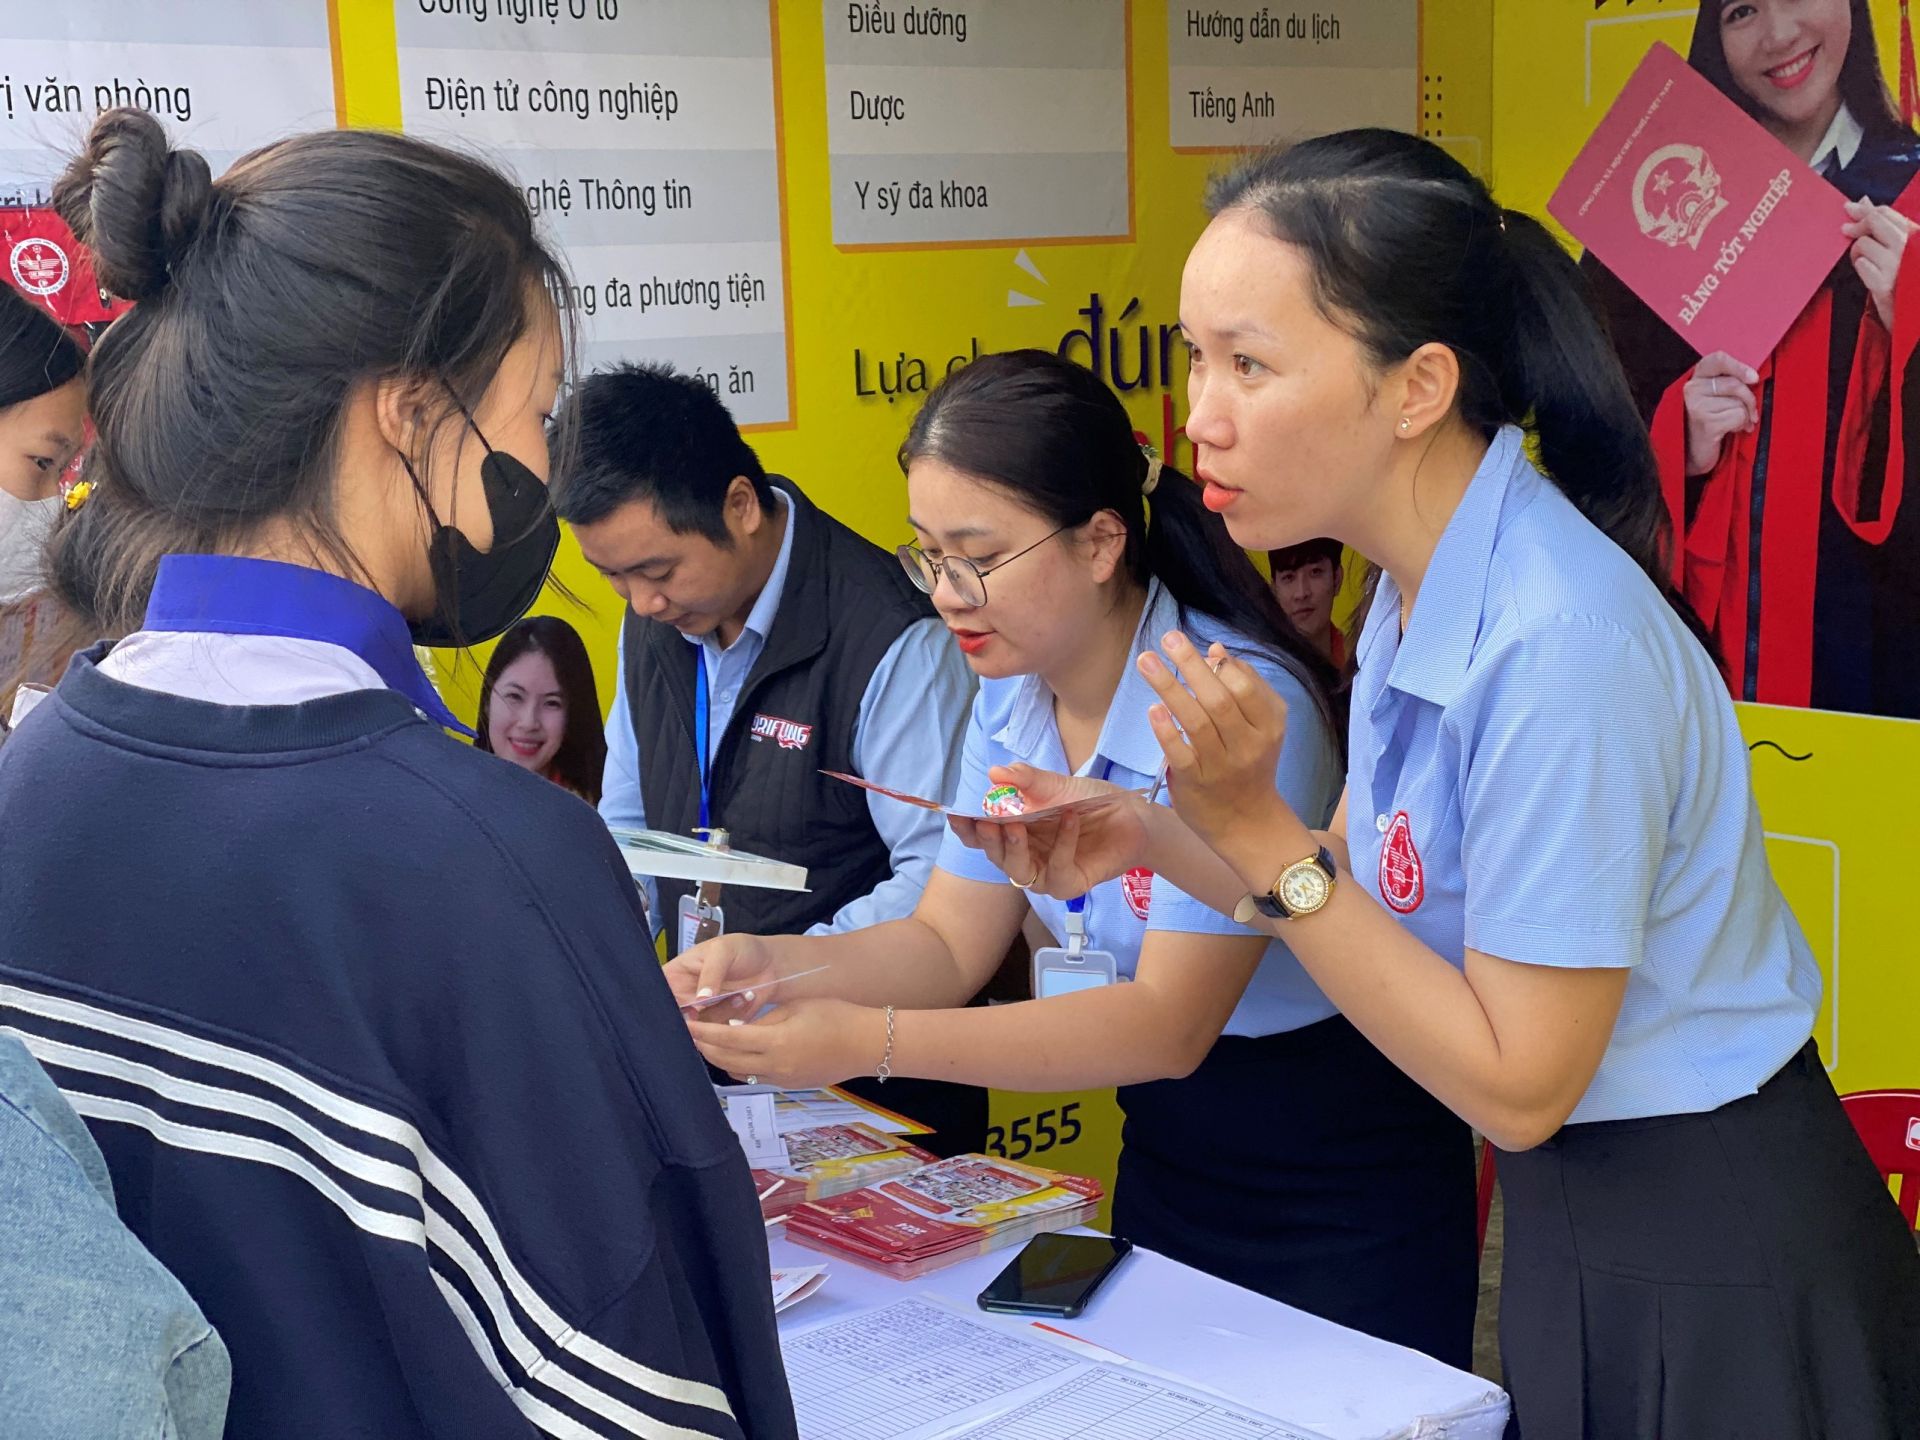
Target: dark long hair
1863,84
37,356
581,759
1406,248
1051,434
312,266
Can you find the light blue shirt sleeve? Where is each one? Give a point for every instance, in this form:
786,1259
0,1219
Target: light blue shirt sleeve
1308,778
908,737
620,800
1561,846
976,759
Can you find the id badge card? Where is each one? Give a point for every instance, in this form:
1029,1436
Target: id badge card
1062,972
701,920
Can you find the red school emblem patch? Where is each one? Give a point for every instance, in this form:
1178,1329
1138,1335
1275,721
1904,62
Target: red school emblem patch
787,734
39,266
1138,885
1403,882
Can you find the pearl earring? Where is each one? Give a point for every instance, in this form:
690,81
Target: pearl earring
1405,424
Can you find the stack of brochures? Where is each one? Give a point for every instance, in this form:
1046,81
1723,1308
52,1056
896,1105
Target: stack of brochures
943,1213
830,1160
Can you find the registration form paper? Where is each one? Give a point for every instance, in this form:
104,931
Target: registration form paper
912,1371
1114,1404
916,1371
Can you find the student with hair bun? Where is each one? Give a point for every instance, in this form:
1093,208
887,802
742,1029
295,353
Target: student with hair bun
365,1023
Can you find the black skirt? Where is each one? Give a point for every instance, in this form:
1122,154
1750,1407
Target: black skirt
1739,1273
1307,1167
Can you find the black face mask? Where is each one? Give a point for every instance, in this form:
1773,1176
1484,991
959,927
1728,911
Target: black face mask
479,595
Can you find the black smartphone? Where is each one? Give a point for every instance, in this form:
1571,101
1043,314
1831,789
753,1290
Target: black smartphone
1055,1275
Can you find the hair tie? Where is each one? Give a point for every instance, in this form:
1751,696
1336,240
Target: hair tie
1153,469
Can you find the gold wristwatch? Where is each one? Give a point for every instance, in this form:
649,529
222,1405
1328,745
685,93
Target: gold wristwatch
1303,888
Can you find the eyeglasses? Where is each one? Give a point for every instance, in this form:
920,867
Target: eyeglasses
968,580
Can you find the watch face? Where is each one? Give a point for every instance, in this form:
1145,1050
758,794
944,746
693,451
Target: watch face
1304,888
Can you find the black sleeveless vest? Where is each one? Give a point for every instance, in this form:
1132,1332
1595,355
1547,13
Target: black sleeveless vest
844,604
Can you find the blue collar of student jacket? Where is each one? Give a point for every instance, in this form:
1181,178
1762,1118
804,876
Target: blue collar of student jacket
234,595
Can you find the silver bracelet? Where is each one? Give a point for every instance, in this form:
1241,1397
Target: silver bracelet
885,1072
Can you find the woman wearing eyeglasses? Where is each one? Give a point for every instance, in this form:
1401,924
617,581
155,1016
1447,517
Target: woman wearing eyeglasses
1265,1140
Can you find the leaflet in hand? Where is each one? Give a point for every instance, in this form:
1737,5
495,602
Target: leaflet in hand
707,1002
1047,812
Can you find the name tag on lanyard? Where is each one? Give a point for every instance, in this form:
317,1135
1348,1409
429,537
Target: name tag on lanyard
1058,971
701,916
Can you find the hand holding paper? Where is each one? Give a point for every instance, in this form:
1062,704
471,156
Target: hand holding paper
796,1044
745,992
1095,796
1066,844
735,964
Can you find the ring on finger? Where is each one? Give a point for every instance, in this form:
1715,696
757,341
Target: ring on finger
1716,386
1038,871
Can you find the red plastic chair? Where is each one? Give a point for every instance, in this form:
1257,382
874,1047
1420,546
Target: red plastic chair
1889,1126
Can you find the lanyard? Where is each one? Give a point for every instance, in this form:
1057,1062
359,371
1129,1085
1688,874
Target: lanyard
1077,907
702,723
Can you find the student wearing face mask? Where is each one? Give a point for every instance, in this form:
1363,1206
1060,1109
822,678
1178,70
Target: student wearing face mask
43,408
1266,1141
363,1021
540,708
42,414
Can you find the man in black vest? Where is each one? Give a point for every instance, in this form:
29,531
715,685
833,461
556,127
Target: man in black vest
769,636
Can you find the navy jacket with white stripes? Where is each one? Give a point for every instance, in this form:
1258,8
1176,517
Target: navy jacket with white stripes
368,1029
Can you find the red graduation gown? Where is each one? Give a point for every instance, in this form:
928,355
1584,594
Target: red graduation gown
1714,553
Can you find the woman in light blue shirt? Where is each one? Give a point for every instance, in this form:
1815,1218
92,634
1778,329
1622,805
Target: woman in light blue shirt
1259,1124
1545,894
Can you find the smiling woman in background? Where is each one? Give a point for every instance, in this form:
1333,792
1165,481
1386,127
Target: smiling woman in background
539,683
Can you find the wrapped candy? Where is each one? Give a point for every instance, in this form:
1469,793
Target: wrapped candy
1002,801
